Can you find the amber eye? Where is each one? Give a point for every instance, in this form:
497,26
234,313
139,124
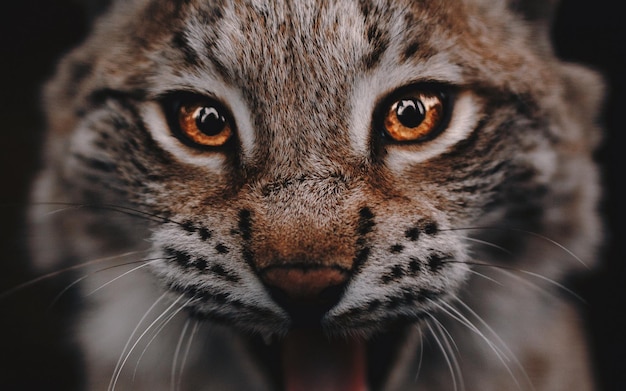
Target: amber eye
415,117
204,122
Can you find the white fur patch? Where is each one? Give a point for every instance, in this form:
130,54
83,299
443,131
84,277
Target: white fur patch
463,121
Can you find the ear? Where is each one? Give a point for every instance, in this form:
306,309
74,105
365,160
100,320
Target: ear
540,11
539,15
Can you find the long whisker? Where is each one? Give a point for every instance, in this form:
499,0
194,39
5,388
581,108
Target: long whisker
513,276
486,277
57,273
444,351
531,233
482,322
130,338
145,262
456,315
503,356
511,271
82,278
132,348
194,331
451,346
179,345
421,356
549,281
539,288
512,357
155,334
110,207
486,243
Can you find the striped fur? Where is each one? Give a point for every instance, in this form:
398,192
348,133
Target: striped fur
310,181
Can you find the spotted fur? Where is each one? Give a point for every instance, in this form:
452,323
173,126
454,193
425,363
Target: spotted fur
462,240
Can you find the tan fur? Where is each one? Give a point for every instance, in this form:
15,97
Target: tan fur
455,247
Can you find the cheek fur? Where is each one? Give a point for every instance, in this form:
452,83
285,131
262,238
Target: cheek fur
313,233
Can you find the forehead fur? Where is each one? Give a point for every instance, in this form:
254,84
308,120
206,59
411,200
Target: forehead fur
297,53
333,38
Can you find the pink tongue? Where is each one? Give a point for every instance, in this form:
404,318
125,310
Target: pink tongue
313,363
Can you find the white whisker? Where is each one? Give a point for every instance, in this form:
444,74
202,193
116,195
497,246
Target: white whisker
162,324
60,210
145,263
486,277
509,353
65,270
459,317
80,279
194,331
486,243
531,233
126,351
451,346
511,273
549,281
132,212
421,356
145,315
179,345
67,288
445,352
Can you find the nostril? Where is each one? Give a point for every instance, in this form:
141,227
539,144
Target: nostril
303,282
306,292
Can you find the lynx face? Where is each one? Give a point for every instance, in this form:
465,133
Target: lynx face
326,176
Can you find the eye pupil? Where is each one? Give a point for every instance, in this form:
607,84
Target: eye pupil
410,112
209,120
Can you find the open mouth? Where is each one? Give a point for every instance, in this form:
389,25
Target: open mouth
311,358
360,349
306,359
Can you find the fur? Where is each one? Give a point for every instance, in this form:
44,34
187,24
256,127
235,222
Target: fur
464,239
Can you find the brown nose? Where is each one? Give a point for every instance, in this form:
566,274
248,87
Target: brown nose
306,291
302,282
303,257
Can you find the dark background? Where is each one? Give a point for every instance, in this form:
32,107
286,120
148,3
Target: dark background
34,354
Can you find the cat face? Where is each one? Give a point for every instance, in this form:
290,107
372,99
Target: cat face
321,165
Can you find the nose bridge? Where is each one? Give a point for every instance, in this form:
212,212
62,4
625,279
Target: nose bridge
301,118
306,220
302,143
304,242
